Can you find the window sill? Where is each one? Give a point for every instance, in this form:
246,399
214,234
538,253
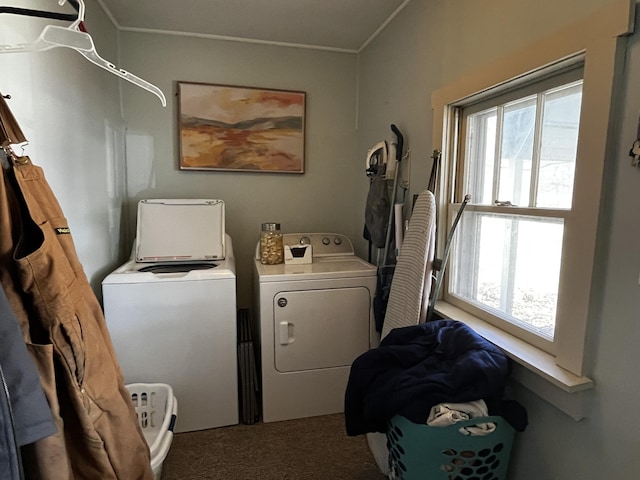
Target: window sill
533,368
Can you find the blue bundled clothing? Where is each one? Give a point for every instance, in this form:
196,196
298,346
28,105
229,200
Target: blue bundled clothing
418,367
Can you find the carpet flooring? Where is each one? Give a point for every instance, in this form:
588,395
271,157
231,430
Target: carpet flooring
314,448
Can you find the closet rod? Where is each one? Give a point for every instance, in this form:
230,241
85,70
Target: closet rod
43,14
38,13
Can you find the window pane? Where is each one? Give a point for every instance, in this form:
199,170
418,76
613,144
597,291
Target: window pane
558,146
510,266
481,151
517,151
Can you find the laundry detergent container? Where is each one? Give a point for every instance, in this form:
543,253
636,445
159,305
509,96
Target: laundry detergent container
424,452
157,409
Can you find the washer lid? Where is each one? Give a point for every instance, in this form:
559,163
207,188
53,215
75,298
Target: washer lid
180,230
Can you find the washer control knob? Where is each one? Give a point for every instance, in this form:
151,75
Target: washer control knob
337,241
305,240
326,241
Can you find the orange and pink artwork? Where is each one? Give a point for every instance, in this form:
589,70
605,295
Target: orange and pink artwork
225,127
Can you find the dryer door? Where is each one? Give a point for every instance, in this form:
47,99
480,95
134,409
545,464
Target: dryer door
320,328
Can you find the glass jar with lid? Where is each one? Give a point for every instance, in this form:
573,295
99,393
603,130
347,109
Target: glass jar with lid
271,244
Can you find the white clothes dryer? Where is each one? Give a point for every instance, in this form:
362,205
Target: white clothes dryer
312,321
175,323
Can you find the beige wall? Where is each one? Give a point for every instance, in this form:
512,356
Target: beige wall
479,32
327,197
434,42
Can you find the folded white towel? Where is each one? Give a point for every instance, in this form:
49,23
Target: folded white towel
445,414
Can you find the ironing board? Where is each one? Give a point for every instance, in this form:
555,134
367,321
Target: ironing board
410,288
409,294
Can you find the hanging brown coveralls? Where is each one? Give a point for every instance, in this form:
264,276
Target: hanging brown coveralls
63,325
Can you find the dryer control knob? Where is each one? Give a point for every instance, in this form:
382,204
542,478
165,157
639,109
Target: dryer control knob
337,241
326,241
305,240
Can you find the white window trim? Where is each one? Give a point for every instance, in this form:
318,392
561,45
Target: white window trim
596,40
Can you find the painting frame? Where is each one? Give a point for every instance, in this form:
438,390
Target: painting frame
236,128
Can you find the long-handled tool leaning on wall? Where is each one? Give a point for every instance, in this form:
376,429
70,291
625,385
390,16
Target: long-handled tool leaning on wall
380,215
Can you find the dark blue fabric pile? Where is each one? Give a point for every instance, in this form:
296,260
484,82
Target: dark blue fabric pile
418,367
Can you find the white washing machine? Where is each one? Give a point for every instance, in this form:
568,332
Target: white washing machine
313,320
172,315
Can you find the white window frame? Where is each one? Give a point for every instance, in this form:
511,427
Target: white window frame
565,73
598,41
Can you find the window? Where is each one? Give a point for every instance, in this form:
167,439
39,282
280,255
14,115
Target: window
517,160
523,270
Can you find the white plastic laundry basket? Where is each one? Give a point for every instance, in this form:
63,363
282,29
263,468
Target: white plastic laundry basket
157,409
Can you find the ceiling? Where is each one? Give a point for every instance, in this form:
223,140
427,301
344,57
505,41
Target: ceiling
343,25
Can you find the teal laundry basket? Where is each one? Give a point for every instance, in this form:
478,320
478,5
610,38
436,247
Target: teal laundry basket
423,452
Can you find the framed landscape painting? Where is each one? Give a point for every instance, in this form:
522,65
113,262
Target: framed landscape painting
242,129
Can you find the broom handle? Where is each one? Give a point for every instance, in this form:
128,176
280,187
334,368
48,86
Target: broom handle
399,147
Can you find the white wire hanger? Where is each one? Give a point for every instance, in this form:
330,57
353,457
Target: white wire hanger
75,37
